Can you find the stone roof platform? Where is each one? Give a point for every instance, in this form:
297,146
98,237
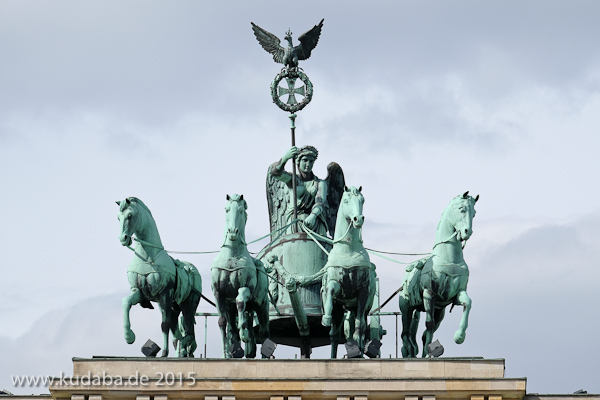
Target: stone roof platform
108,378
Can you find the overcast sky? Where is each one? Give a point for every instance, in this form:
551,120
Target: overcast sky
417,101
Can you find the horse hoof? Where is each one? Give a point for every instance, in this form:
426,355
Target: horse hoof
326,320
165,353
459,337
129,337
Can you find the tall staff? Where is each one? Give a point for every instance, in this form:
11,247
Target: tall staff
289,57
293,120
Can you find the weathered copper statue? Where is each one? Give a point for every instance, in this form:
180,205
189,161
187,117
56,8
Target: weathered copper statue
239,283
154,276
295,253
436,281
290,55
317,200
349,280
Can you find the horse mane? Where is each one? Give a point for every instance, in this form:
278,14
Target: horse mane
452,204
140,203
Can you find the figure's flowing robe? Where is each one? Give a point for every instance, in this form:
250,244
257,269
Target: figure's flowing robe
311,196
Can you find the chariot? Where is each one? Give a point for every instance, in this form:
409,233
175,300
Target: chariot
314,283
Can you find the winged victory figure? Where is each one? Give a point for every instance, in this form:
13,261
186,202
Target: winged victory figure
291,55
317,199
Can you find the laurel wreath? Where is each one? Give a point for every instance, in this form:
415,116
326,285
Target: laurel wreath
297,74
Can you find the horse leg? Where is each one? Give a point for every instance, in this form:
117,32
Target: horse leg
429,306
187,333
438,317
465,300
336,329
414,327
134,298
178,332
262,313
361,318
240,301
250,347
331,291
222,310
233,334
165,305
176,328
407,318
349,323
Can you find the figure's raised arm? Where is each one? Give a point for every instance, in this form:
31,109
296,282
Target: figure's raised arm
278,169
291,153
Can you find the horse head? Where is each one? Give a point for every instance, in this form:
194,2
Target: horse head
351,206
462,212
129,220
235,218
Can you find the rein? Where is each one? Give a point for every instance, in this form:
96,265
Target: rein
464,242
312,234
447,240
345,234
148,243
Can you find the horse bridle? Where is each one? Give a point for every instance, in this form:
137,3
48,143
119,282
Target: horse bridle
464,242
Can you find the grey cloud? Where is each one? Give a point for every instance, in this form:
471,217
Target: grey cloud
171,104
154,63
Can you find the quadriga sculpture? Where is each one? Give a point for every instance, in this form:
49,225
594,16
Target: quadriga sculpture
349,280
434,282
240,284
154,276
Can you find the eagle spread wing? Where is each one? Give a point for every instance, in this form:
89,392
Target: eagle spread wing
335,190
271,43
308,41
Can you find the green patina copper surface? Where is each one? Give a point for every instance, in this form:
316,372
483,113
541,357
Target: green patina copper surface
293,252
154,276
317,200
290,55
349,279
301,260
239,283
432,283
291,75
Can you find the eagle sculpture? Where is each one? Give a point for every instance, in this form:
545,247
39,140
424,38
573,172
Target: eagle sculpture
291,55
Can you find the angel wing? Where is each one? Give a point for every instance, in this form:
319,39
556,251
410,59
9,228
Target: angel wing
308,41
335,190
270,43
277,200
